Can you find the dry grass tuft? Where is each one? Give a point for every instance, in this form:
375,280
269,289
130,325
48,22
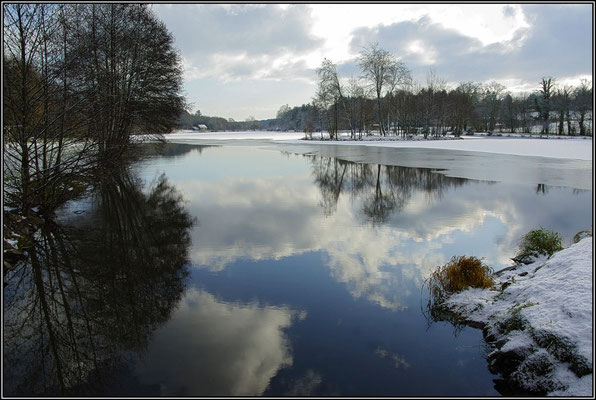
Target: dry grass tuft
458,274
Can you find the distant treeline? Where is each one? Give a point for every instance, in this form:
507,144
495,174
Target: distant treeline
385,99
471,107
187,120
296,118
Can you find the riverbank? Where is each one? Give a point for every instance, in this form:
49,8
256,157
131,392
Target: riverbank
538,319
554,147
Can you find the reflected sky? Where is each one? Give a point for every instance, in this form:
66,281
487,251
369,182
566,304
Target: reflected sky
260,204
306,269
211,347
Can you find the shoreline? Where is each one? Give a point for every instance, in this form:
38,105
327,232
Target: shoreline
537,318
571,148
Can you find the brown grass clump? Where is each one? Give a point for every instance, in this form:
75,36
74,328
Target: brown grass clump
458,274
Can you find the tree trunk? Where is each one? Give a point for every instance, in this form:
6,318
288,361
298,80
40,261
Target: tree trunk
380,114
335,119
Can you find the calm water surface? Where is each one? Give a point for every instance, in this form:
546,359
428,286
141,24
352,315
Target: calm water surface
301,274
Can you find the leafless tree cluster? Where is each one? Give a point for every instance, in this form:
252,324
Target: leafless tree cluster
385,99
79,80
382,75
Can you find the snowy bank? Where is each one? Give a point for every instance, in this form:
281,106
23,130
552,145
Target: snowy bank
538,317
579,149
566,148
243,135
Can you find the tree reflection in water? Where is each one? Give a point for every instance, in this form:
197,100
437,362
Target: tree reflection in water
382,189
93,288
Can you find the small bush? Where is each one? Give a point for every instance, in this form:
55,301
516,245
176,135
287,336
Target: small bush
536,243
458,274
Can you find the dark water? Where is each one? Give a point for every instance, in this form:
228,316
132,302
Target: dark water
243,270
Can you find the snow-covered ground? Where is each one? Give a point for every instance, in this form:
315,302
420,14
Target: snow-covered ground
263,135
580,149
539,318
564,147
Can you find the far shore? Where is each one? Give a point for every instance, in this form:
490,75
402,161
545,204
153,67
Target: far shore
565,147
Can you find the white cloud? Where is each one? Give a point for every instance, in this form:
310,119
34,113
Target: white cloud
424,52
530,48
283,44
488,23
238,41
214,38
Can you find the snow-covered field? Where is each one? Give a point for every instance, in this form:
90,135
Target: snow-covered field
565,147
263,135
541,323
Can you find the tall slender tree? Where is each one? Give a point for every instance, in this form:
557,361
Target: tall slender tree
383,73
543,103
583,103
330,81
562,102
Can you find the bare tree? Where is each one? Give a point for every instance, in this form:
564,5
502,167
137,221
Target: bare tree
562,103
322,101
329,83
360,106
509,112
130,72
43,118
543,103
78,80
330,79
383,73
433,100
356,97
490,104
583,103
461,106
282,110
523,106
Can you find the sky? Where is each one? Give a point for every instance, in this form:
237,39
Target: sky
247,60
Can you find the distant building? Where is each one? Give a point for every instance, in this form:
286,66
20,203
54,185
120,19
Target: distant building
200,127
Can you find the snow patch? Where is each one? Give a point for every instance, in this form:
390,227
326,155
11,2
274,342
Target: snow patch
569,148
543,314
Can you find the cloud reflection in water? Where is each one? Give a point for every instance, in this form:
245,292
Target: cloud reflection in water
382,227
211,347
